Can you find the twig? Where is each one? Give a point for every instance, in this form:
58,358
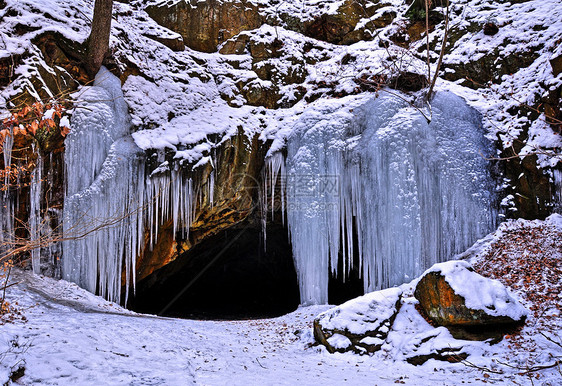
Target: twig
442,53
550,339
427,38
257,360
531,369
5,286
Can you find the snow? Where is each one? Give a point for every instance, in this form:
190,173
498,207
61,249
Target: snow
479,293
72,336
416,192
362,314
339,341
176,106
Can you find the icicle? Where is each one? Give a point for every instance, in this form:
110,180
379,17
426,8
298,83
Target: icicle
7,149
35,222
104,177
414,193
6,199
557,179
273,171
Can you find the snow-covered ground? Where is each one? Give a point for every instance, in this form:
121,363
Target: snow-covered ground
70,336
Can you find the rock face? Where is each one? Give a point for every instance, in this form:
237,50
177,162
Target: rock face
361,324
452,294
239,162
340,27
205,24
277,66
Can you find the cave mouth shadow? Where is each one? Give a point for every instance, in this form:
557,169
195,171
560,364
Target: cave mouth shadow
245,282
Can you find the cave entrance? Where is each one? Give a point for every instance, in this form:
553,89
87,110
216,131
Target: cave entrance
346,286
227,276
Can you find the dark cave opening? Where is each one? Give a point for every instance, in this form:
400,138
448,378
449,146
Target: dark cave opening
346,286
227,276
342,289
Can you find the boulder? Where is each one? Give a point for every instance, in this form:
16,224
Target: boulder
361,324
452,294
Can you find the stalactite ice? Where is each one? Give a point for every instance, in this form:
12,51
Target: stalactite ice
35,222
101,207
412,193
6,198
109,201
557,180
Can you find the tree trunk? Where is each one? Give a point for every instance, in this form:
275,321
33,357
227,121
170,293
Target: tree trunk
98,42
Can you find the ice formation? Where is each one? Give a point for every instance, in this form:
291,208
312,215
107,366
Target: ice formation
6,201
387,186
35,222
557,180
100,207
109,201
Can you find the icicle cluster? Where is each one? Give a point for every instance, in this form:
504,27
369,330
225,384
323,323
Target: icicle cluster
35,222
411,193
6,199
109,201
100,218
557,179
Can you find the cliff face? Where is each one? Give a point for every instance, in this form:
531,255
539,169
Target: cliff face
251,67
237,172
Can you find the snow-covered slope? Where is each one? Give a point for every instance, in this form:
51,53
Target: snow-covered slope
72,336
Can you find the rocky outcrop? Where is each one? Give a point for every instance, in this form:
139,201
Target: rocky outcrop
7,66
489,68
353,21
361,324
435,344
452,294
238,163
205,24
275,65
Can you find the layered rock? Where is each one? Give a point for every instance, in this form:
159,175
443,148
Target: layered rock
351,22
205,24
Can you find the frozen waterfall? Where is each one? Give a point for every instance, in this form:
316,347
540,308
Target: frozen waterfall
101,207
110,204
384,185
6,197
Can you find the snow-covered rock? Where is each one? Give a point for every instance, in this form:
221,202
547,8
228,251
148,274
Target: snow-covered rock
452,294
360,324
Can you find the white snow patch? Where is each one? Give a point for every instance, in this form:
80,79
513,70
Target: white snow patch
362,314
